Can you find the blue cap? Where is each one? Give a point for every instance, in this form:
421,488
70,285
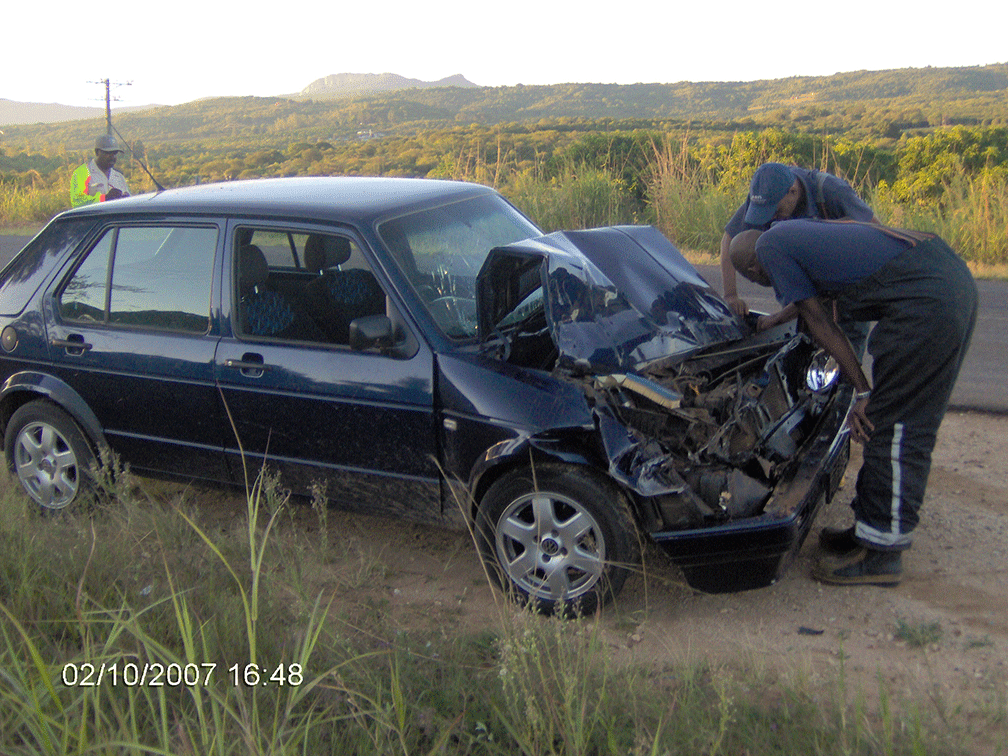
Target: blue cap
770,184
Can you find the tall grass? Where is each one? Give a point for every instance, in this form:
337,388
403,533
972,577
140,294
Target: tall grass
971,214
686,199
691,205
580,197
108,668
686,203
149,579
27,206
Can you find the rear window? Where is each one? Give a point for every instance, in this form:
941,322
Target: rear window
25,273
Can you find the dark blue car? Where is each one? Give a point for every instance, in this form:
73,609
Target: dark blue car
420,348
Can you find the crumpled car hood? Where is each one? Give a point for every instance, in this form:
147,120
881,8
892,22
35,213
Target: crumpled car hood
615,298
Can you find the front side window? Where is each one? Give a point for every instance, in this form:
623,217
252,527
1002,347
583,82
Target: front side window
298,286
146,276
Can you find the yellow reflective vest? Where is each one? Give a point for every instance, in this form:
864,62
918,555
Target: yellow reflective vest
89,184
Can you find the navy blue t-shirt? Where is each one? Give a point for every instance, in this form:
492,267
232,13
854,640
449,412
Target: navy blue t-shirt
839,198
806,258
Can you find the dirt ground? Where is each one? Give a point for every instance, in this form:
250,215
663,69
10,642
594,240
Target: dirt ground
955,584
955,588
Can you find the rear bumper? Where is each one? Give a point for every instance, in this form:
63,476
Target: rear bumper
752,552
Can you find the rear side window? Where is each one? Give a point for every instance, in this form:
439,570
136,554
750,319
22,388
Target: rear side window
25,273
146,276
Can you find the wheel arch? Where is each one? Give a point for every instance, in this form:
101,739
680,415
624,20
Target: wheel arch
534,451
27,386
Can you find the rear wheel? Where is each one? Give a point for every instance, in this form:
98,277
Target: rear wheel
48,453
559,537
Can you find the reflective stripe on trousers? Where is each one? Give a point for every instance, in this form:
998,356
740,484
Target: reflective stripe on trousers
925,301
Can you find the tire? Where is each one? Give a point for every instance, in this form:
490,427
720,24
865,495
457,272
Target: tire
559,537
49,455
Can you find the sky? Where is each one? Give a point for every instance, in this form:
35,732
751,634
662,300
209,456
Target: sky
170,53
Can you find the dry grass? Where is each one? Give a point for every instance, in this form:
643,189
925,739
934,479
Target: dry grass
163,573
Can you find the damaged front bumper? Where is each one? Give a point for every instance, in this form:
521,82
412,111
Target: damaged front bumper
729,454
752,552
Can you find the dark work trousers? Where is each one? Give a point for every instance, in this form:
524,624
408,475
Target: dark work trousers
856,332
925,302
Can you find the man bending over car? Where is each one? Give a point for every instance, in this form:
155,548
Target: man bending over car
925,301
786,192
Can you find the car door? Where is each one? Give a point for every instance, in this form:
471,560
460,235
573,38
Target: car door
130,329
358,422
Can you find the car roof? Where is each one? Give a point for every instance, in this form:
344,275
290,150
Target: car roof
361,199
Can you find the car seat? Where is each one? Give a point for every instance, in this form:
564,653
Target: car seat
337,297
264,312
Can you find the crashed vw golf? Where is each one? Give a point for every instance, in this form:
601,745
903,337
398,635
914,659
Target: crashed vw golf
421,349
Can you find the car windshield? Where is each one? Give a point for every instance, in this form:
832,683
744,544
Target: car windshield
442,249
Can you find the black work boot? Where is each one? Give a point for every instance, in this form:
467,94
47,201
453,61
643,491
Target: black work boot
838,540
862,567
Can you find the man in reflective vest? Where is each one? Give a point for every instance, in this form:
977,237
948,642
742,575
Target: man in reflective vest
99,181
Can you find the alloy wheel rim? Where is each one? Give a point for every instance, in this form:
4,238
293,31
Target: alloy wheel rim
46,465
550,546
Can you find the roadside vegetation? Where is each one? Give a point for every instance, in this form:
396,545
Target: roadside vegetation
686,181
167,626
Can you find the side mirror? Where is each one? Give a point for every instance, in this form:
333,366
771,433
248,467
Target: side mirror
371,331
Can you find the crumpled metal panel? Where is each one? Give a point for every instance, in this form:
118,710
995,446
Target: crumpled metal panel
615,298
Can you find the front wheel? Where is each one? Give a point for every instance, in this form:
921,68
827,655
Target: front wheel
48,453
558,536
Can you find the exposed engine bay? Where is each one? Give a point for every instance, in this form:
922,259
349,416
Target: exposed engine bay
708,438
725,425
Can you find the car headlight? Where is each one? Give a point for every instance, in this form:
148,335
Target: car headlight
822,373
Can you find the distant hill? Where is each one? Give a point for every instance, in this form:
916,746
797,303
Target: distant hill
357,85
971,93
12,112
874,104
37,112
334,86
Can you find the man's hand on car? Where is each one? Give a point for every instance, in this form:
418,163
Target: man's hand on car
738,306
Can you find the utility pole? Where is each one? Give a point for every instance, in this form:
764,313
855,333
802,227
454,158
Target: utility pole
108,99
108,109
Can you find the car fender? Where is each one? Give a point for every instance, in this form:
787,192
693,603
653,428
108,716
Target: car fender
497,417
58,392
569,446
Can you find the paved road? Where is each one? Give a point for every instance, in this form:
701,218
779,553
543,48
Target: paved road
982,383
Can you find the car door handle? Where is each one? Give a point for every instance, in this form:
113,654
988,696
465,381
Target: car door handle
74,346
250,367
243,365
